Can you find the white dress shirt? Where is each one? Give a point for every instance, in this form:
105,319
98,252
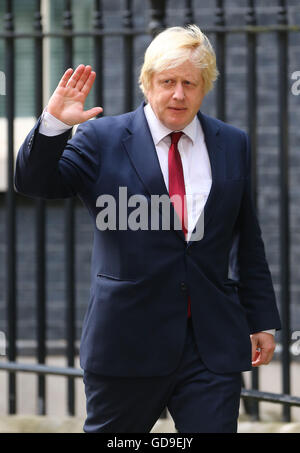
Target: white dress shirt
193,152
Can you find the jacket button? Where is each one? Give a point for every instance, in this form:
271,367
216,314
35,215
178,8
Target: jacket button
183,286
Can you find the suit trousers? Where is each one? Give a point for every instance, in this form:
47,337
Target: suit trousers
198,400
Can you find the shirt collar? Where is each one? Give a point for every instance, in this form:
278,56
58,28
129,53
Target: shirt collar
159,131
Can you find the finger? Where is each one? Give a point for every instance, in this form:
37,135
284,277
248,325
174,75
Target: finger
65,78
84,77
92,113
76,76
257,359
254,344
89,83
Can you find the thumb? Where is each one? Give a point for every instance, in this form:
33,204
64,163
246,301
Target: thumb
88,114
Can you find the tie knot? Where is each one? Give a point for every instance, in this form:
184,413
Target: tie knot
175,137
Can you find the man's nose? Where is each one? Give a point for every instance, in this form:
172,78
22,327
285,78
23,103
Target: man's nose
178,92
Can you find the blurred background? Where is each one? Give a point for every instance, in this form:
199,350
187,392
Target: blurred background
45,246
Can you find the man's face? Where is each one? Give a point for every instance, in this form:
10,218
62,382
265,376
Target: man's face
176,95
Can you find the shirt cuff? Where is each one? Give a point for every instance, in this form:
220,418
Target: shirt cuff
271,331
51,126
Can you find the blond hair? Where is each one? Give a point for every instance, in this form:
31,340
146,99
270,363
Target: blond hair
174,46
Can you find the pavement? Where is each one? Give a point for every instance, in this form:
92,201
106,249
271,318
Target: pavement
73,425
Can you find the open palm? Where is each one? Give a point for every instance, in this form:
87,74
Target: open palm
67,101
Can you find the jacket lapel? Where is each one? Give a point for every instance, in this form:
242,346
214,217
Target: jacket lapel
213,140
142,153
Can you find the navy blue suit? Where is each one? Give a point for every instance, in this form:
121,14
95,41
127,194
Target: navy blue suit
135,325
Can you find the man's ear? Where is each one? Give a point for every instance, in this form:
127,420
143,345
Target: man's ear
147,90
146,97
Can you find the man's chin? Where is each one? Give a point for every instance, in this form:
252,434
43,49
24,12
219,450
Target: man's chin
175,125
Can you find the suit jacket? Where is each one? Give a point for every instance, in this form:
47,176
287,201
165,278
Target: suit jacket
135,322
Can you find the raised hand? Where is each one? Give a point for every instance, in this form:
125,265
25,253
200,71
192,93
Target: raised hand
67,101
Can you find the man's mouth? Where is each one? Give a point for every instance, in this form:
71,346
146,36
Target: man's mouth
179,109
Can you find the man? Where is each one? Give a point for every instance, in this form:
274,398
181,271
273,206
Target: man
165,326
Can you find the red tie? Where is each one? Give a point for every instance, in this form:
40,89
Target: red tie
177,186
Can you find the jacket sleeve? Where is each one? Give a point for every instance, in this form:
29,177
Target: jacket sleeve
55,167
256,290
